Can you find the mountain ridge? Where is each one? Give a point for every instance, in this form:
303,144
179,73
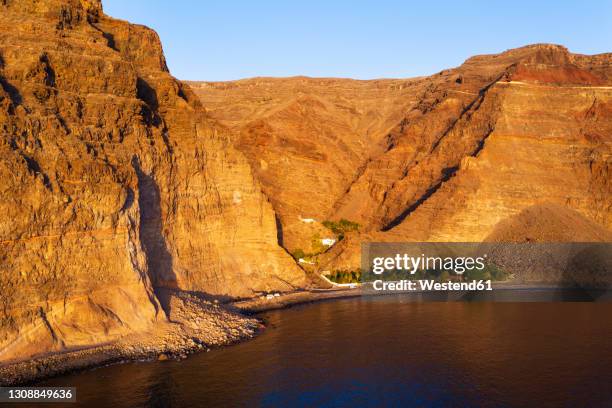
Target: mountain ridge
430,140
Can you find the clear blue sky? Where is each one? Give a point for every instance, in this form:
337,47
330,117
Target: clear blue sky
223,40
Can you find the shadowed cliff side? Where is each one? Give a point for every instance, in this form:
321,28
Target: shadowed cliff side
115,185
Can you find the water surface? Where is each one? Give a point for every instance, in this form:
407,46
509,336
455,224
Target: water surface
385,351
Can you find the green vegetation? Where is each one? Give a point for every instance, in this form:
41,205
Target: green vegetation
316,245
398,274
340,228
344,276
299,253
491,271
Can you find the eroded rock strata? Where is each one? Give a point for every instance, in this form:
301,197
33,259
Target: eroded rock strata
115,185
129,201
519,141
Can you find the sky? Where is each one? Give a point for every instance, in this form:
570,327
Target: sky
226,40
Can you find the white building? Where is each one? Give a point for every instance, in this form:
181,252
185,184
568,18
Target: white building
328,241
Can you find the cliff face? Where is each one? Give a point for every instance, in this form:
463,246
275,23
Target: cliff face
306,138
501,138
115,185
530,152
514,133
120,188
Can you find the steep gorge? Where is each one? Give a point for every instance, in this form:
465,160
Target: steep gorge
470,147
307,138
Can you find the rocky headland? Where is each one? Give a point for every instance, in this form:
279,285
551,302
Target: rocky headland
118,188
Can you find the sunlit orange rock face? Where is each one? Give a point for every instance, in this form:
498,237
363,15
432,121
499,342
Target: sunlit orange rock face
119,182
114,184
512,146
307,139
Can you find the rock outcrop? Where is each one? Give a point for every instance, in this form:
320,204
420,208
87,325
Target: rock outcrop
538,140
472,147
115,185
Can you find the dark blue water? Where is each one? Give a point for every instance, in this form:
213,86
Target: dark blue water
385,351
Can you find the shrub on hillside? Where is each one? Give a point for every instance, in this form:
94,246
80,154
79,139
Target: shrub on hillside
340,228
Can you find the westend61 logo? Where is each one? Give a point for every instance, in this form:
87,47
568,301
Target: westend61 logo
473,267
412,264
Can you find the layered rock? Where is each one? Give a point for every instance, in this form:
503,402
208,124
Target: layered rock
532,148
307,138
119,189
527,131
115,184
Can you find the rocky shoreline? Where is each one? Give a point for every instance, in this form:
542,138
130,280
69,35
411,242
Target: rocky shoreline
196,325
262,304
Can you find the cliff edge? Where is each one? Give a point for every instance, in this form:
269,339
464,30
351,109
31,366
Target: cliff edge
117,188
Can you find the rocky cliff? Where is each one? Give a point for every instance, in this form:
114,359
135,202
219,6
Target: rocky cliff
129,200
116,186
307,139
522,135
